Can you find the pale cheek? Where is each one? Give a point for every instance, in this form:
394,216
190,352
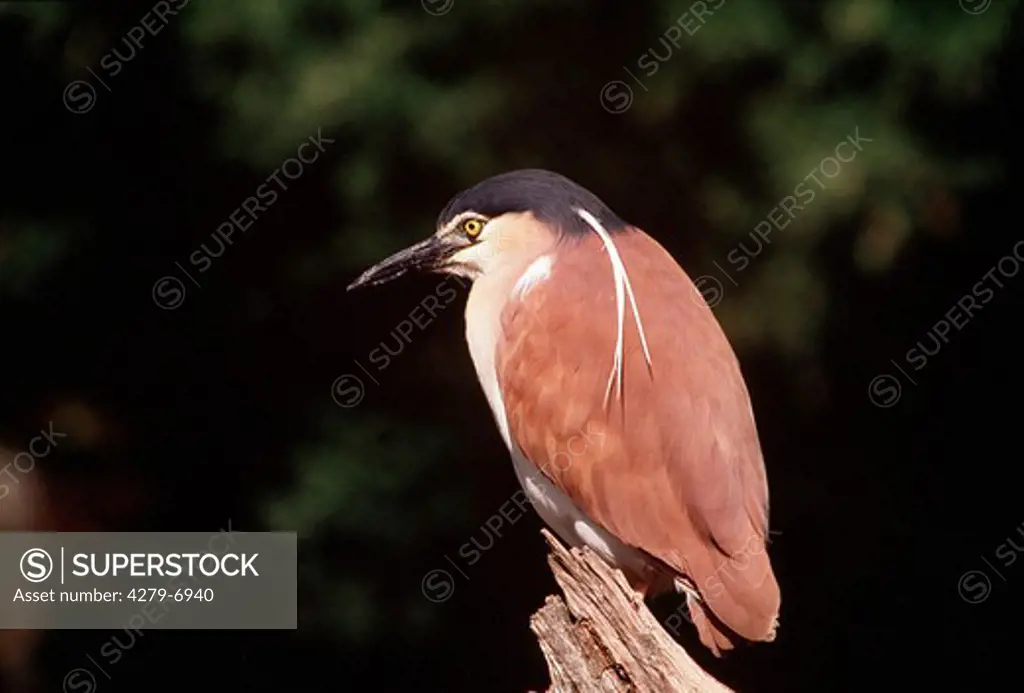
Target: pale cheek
468,271
481,256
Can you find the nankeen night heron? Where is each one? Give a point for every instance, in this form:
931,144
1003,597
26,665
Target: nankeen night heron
582,327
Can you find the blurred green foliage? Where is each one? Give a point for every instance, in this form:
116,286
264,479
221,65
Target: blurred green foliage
357,482
278,70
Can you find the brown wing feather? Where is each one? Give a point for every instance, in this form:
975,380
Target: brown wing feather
679,472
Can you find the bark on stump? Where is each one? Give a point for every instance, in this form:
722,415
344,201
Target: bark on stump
602,638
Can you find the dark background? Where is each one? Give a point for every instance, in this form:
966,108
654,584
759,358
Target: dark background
222,408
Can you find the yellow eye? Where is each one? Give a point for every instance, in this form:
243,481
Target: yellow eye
472,227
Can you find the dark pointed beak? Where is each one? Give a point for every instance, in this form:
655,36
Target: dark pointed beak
426,255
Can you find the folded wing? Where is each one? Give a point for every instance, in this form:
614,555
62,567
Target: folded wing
679,472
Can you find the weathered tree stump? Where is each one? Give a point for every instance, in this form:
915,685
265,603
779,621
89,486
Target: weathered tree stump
603,638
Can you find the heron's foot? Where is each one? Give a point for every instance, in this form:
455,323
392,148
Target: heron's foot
685,586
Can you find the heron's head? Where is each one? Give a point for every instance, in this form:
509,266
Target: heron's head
498,219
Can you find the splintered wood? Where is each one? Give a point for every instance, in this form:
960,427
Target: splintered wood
602,638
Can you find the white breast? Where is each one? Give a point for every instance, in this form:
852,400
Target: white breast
483,328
